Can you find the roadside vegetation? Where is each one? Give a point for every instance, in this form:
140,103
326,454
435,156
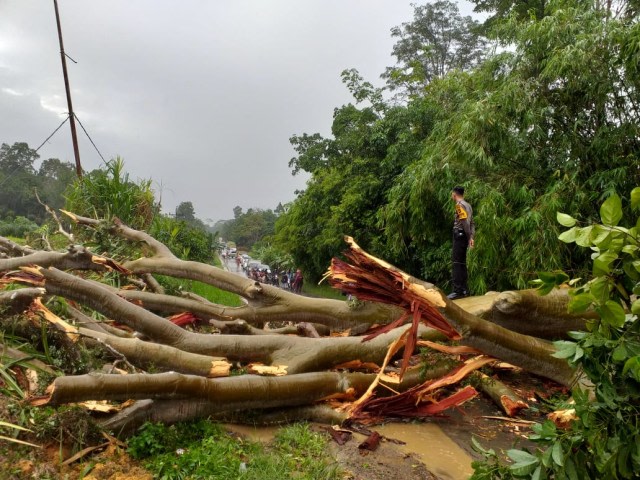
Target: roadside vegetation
205,450
535,111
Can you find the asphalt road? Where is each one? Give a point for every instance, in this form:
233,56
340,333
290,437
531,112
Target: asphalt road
231,266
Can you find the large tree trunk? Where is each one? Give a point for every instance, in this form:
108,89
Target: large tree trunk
500,325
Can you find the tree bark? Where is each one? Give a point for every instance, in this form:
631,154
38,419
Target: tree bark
529,313
242,392
297,354
372,278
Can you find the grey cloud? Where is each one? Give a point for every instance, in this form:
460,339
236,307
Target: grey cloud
202,96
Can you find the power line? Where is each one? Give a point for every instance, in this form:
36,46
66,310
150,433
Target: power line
54,132
89,137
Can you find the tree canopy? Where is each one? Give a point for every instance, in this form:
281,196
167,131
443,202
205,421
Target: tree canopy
20,178
549,122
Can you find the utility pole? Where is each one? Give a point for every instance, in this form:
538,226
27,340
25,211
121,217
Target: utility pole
72,118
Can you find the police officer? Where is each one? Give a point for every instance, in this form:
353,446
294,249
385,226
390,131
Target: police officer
464,230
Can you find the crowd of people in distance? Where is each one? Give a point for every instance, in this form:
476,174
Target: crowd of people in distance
285,279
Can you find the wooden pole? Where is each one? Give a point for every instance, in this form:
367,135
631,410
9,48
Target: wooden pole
72,118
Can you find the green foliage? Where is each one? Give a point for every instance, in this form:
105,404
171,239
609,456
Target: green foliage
604,440
549,124
248,228
490,467
203,450
185,211
109,192
351,175
272,255
19,180
436,41
187,240
17,227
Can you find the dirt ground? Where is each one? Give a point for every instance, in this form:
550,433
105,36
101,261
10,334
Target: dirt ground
424,456
385,463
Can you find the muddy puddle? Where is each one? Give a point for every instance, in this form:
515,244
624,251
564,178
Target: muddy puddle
426,442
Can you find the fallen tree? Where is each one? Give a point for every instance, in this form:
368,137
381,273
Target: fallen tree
305,360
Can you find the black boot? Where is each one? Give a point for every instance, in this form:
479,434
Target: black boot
457,295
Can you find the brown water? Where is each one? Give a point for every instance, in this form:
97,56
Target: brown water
441,455
255,434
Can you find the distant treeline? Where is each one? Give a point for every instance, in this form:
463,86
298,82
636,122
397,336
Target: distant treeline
22,174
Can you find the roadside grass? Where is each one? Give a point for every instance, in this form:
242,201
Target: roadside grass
202,449
211,293
323,291
18,240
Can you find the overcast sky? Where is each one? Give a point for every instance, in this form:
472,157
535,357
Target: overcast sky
199,95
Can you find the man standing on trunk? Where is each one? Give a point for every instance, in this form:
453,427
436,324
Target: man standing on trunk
464,230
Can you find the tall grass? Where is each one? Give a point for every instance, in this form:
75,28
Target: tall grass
109,192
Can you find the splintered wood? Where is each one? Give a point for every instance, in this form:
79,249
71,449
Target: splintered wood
372,279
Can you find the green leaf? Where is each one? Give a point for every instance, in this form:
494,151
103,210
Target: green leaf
583,236
632,367
600,235
611,210
547,277
635,198
600,288
557,454
635,307
568,236
612,313
564,349
579,354
619,354
570,469
602,264
565,220
537,473
525,463
580,303
546,457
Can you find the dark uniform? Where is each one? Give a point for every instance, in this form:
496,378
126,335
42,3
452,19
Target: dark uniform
464,229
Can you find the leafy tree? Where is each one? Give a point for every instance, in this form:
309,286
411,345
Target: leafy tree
187,240
17,158
272,255
249,227
54,177
351,175
186,212
237,211
17,227
499,10
437,41
19,181
603,440
547,126
17,176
